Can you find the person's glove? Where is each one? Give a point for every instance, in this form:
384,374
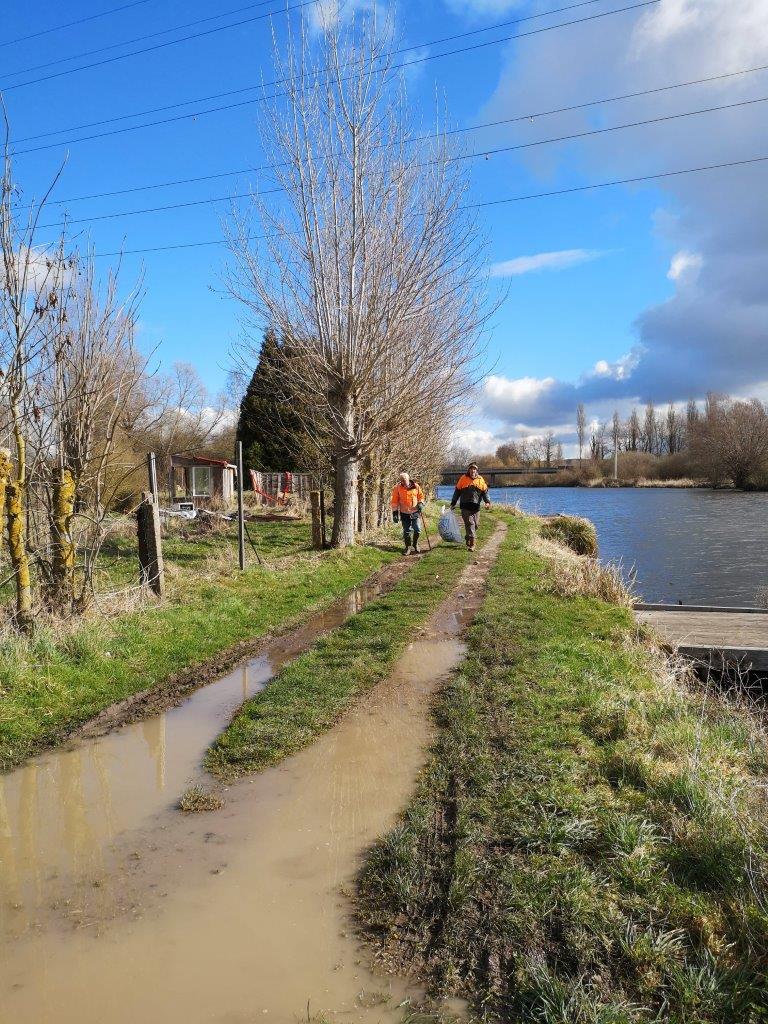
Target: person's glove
395,516
420,507
453,508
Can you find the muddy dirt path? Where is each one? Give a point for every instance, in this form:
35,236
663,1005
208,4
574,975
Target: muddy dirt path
238,915
61,813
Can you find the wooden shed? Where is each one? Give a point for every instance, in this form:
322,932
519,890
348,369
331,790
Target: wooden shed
199,481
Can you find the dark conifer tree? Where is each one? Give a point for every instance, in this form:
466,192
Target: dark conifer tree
268,426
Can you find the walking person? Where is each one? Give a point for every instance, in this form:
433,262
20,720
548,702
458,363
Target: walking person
471,491
407,503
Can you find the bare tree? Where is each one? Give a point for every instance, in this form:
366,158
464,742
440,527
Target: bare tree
581,428
31,278
674,430
92,372
692,417
548,447
731,441
633,431
368,261
597,443
616,430
650,430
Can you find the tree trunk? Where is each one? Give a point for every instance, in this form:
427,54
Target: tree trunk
345,501
5,474
62,545
14,503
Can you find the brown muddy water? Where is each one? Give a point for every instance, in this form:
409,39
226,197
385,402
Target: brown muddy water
117,908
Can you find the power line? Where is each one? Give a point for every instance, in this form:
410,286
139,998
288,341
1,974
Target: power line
492,202
156,46
140,39
252,88
609,184
468,156
454,131
71,24
612,128
395,67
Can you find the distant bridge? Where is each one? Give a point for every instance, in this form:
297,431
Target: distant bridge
494,476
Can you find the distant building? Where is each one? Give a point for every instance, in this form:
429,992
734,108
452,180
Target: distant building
197,481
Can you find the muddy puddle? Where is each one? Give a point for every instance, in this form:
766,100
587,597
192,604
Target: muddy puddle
233,916
60,813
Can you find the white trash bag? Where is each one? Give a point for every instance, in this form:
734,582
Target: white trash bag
448,526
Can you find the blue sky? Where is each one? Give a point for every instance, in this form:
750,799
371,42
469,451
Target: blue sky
647,291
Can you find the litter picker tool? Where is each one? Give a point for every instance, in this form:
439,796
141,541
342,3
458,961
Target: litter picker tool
426,533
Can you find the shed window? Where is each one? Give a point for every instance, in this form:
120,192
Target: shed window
201,481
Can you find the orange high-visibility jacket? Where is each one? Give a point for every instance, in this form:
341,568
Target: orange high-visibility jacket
467,481
405,499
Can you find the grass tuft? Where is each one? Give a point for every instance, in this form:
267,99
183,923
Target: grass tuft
574,532
197,799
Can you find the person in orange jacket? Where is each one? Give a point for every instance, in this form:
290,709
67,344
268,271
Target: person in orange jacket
407,503
470,491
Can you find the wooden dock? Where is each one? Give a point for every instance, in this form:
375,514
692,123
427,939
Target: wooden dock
710,635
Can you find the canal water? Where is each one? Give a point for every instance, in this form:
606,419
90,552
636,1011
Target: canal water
694,546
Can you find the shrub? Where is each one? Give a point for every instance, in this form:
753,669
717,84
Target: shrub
576,533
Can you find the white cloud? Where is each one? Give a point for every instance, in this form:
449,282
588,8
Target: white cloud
476,439
710,334
684,266
326,14
544,261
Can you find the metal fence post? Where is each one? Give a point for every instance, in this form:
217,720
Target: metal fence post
240,512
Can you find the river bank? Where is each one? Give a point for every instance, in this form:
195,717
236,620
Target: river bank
588,841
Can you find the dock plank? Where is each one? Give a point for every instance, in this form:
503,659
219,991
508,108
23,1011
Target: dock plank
742,634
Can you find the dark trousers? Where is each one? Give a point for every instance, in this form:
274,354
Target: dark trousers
470,516
411,524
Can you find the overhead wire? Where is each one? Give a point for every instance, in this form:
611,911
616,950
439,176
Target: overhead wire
72,24
489,202
141,39
395,67
451,131
460,157
154,47
252,88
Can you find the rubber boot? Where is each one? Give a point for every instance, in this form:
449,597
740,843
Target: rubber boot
407,541
416,544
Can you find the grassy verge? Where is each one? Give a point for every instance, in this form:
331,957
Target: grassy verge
587,843
59,679
311,693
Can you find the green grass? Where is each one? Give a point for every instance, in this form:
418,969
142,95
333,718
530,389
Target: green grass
57,680
311,693
587,843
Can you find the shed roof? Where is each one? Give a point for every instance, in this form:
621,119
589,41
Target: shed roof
200,460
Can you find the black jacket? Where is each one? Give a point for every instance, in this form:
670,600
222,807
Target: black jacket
471,496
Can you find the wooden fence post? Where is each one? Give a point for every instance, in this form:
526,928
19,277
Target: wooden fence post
317,529
152,573
240,513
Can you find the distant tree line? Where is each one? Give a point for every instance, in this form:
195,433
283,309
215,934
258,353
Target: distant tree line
723,442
